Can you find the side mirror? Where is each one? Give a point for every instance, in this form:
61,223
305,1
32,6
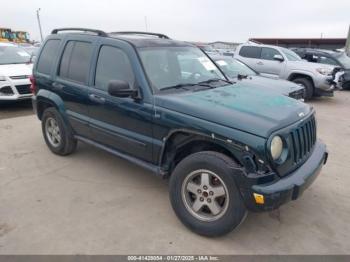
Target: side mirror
278,58
121,88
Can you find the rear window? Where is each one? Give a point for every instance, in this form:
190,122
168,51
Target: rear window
250,51
48,55
75,62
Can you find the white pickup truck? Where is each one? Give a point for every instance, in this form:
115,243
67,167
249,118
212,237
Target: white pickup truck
279,62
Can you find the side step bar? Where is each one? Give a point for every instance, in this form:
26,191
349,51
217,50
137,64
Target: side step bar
151,167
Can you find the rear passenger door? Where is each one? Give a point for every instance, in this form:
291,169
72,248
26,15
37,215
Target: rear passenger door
71,83
123,124
250,55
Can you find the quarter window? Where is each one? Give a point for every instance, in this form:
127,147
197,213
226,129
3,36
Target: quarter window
250,51
75,62
112,64
48,56
268,53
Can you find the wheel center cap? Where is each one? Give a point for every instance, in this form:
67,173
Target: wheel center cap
205,194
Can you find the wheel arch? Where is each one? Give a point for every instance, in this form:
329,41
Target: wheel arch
182,143
46,99
296,75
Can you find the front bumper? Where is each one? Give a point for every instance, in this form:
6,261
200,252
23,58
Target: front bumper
282,190
13,90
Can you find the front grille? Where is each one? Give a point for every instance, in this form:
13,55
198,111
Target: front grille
6,90
303,139
19,77
299,94
23,89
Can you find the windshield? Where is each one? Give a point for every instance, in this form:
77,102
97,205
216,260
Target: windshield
13,55
291,56
232,67
171,66
344,60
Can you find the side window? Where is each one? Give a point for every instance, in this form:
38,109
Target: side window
250,51
269,53
75,62
327,60
48,56
112,64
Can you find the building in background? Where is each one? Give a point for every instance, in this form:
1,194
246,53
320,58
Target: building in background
224,45
321,43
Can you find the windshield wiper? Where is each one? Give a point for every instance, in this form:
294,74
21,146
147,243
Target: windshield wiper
212,80
186,85
178,86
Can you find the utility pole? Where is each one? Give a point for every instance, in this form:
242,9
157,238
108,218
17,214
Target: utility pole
146,23
347,45
41,31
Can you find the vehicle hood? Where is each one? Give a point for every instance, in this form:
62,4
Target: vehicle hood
16,69
240,106
283,87
307,66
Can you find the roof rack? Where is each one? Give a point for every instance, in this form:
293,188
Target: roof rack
98,32
140,33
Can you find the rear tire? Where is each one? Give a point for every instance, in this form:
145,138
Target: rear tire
204,195
308,85
58,136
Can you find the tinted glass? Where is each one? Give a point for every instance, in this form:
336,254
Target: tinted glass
170,66
75,62
268,53
250,51
48,56
326,60
112,64
64,66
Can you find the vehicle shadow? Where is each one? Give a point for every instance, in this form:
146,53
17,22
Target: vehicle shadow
15,109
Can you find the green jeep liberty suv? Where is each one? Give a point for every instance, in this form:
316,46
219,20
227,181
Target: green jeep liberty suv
226,147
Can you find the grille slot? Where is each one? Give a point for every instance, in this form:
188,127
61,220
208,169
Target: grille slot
19,77
23,89
303,139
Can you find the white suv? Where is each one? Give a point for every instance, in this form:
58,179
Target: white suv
283,63
15,71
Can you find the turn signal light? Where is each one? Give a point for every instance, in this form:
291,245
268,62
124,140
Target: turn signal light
259,199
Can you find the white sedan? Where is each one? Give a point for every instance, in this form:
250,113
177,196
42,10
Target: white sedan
15,70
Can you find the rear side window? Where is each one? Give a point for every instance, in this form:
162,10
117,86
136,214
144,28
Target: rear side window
75,62
48,56
112,64
250,51
268,53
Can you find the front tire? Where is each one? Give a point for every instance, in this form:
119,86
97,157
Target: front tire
204,196
58,136
308,85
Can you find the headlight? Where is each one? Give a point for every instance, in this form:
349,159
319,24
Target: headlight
276,147
2,78
324,71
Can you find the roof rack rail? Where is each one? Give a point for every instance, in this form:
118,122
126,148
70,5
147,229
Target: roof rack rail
98,32
140,33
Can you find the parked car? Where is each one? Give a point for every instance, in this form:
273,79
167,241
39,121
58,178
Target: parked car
334,58
15,69
236,70
225,148
283,63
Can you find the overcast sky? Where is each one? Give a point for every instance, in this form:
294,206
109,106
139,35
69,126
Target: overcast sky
193,20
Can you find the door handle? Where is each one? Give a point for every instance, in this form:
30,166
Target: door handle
97,99
260,63
57,86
